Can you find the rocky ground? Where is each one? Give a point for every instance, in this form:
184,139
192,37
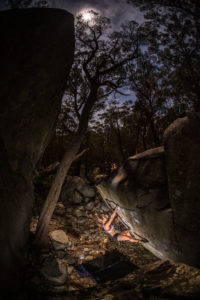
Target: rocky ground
75,237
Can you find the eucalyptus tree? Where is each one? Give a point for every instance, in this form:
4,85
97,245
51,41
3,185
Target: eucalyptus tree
191,7
98,70
174,36
180,52
111,120
149,81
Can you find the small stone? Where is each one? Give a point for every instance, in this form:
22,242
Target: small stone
53,270
60,204
59,239
78,213
82,220
86,249
90,205
89,257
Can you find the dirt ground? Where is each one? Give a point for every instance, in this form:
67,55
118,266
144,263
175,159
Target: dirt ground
152,279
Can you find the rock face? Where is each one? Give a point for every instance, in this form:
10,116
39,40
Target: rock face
182,146
159,193
75,190
37,47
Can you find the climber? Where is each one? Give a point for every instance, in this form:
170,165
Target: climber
124,235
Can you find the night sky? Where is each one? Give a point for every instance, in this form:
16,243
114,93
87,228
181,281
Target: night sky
117,10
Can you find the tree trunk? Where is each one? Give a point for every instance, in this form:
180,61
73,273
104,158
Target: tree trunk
134,150
41,238
154,133
120,143
143,138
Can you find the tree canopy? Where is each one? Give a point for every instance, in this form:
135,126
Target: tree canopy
158,61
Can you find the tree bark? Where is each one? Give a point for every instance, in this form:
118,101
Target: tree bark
120,143
143,138
154,133
41,237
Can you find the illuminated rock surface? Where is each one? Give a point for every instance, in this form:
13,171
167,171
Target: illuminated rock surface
158,192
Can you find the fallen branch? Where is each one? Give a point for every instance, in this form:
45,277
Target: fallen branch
80,154
53,166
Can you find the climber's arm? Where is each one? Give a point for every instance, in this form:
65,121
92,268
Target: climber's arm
109,222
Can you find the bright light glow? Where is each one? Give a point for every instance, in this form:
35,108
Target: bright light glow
87,16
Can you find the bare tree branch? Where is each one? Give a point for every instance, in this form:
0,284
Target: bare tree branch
80,154
114,87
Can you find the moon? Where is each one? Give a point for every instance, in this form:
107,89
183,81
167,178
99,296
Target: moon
87,16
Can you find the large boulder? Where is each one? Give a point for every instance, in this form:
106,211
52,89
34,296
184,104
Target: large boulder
37,47
76,190
158,192
182,152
